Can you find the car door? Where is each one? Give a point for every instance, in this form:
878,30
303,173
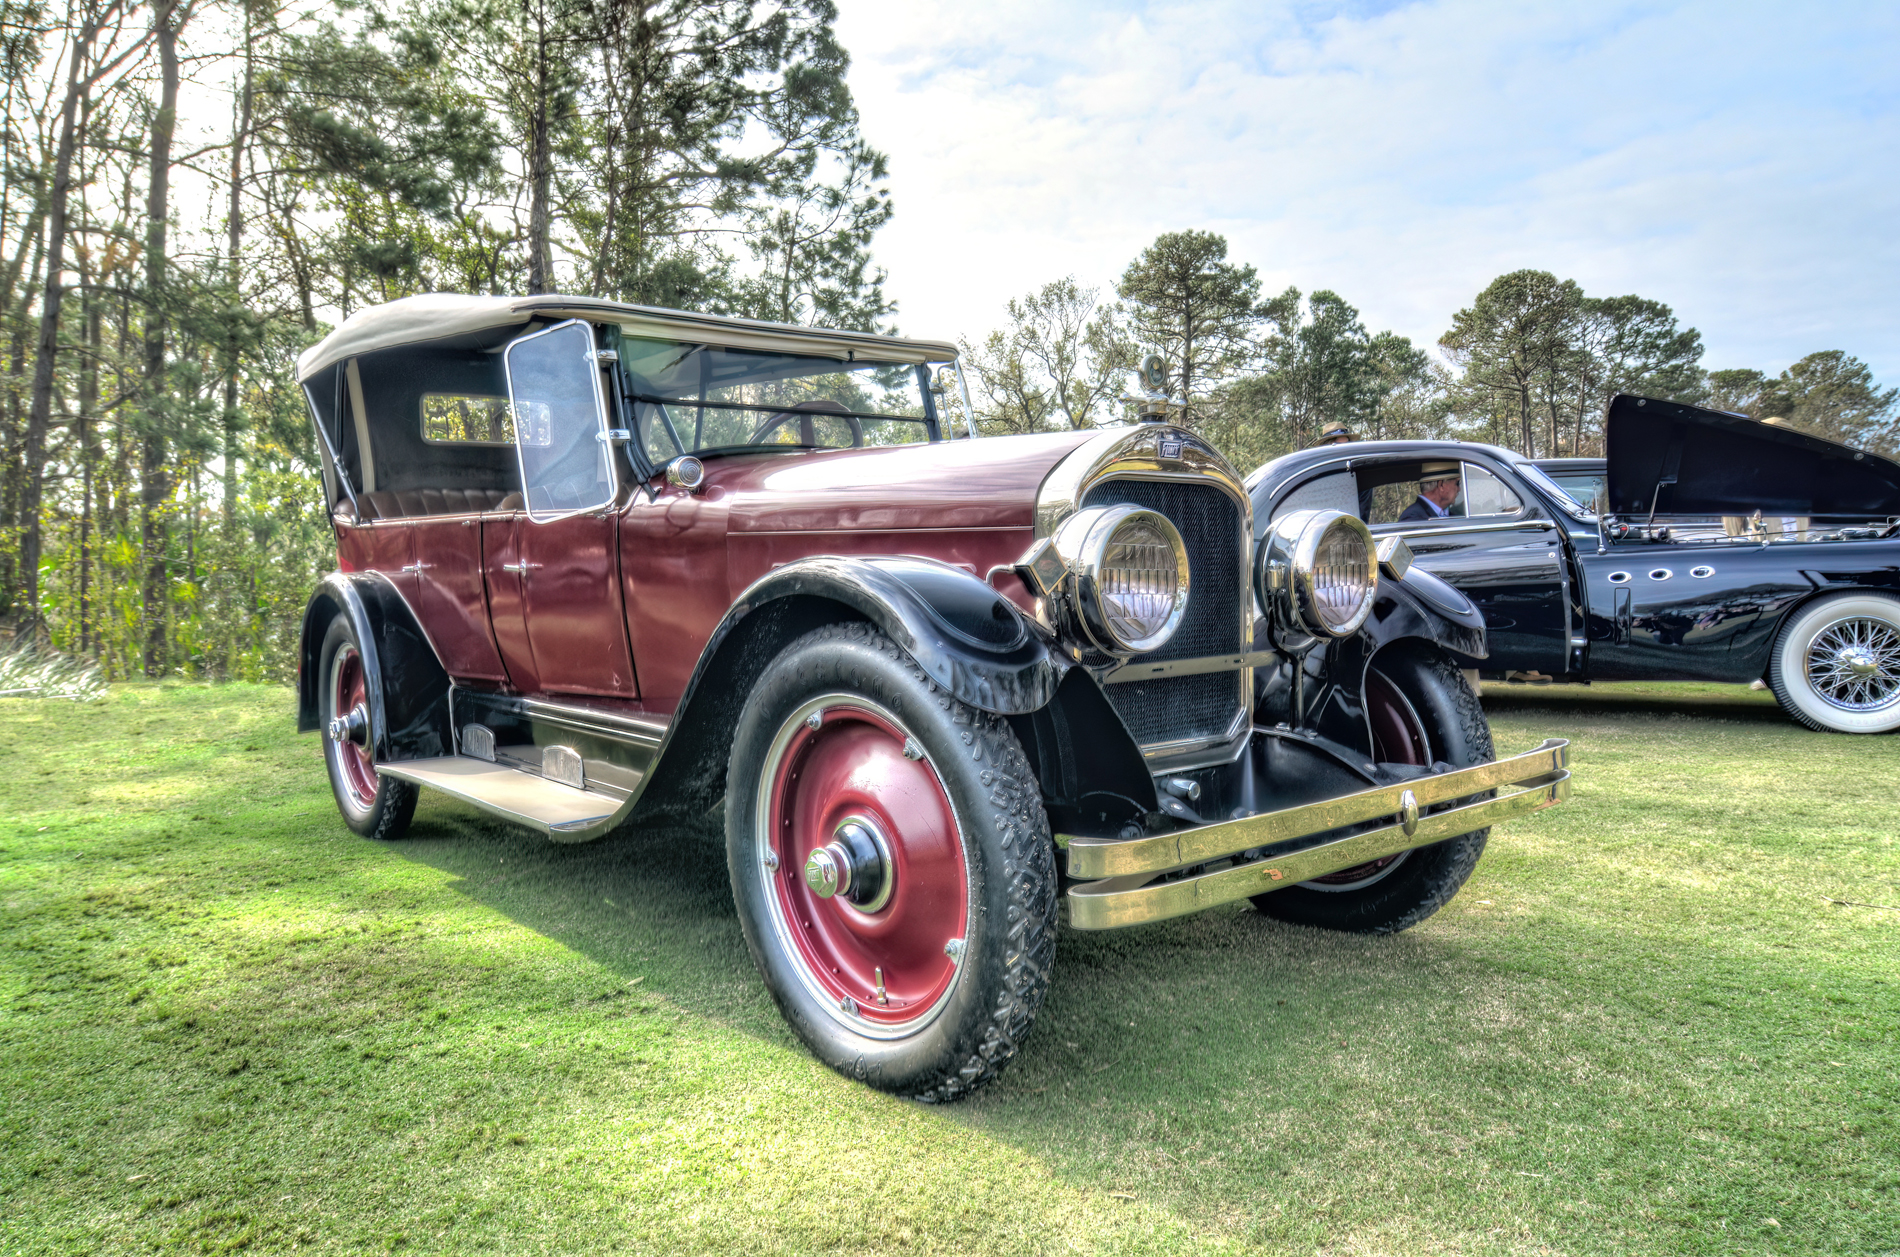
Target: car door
1507,556
555,589
450,595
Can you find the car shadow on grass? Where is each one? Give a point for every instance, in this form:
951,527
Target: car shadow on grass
1686,699
1210,1024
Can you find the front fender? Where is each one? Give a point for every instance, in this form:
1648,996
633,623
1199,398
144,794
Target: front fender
408,687
966,637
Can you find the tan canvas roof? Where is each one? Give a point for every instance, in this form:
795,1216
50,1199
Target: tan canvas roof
439,316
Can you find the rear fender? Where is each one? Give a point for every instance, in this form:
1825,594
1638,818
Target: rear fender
408,687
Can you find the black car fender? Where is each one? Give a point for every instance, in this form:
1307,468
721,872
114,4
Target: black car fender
966,637
408,686
1418,607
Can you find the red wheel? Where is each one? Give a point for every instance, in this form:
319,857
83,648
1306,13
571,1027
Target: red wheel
891,864
373,805
349,700
871,889
1420,712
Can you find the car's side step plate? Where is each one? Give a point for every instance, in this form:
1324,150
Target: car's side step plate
556,810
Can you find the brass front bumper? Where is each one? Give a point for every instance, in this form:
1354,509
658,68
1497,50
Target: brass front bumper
1130,895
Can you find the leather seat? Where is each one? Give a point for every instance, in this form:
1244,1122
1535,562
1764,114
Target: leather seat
421,503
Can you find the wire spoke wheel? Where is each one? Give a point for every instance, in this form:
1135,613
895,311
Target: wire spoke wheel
1854,664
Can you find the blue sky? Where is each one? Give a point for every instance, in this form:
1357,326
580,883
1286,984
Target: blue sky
1738,161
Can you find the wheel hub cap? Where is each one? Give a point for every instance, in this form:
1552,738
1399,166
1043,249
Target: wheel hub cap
856,863
1855,664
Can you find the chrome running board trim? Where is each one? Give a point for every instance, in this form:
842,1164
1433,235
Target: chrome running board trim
1120,901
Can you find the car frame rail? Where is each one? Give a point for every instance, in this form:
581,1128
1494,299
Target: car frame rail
1136,880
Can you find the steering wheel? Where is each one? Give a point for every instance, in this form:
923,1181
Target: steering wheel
803,412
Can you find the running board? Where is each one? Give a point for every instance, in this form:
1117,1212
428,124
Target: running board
561,812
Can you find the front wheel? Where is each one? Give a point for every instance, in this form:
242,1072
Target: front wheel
373,805
1836,665
1422,711
892,866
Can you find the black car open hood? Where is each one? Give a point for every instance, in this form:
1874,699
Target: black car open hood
1688,461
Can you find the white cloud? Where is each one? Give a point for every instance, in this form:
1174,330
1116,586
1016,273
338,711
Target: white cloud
1736,161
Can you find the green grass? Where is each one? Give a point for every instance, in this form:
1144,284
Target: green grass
225,1022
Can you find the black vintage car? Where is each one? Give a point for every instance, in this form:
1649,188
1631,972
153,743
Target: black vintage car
1727,550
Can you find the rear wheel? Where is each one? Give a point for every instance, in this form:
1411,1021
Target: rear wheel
372,805
892,866
1836,665
1422,711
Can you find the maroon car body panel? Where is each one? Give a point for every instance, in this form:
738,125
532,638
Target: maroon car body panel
619,606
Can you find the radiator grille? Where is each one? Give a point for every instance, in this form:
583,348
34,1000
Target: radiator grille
1172,709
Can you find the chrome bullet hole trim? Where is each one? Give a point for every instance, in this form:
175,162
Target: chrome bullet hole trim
1408,813
1703,572
1660,573
1619,578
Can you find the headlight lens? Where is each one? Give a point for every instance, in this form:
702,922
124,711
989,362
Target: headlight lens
1318,572
1130,570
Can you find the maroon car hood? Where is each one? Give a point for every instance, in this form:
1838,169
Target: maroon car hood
986,483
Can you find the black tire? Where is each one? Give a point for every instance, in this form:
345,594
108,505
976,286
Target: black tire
1411,888
372,805
1811,683
859,685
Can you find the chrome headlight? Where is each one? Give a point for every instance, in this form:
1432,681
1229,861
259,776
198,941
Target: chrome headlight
1128,570
1318,572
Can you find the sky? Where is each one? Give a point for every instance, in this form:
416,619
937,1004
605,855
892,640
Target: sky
1739,161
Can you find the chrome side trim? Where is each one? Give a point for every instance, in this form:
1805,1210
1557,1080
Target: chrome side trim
1121,901
1538,525
1106,857
1125,672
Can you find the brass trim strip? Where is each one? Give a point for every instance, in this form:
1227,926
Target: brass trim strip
1108,857
1134,670
1121,901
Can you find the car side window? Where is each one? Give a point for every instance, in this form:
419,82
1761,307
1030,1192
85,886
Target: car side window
1485,494
1335,491
560,422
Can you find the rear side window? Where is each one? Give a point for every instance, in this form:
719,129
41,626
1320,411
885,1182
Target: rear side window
466,419
1485,494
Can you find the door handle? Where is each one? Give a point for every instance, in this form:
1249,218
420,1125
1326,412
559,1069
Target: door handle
519,568
416,567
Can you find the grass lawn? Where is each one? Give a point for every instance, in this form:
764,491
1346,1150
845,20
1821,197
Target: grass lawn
227,1022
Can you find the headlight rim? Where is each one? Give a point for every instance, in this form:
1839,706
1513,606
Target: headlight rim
1285,581
1083,541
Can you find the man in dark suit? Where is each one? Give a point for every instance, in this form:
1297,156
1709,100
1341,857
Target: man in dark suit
1438,488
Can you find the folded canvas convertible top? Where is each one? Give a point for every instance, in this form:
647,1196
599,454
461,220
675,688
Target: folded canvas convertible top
452,317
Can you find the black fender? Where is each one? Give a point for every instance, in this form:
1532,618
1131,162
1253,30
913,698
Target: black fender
968,638
408,687
1323,690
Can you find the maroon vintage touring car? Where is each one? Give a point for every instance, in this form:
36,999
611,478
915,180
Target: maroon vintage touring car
602,564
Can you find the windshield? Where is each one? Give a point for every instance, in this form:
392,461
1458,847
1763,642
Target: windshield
1561,493
698,399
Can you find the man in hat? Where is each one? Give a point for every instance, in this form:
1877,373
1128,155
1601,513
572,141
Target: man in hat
1438,487
1339,434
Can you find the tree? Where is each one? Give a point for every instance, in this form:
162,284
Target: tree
1199,311
1062,362
1833,395
1511,345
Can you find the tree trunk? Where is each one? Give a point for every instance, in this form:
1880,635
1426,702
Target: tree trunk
52,295
234,232
154,476
540,165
